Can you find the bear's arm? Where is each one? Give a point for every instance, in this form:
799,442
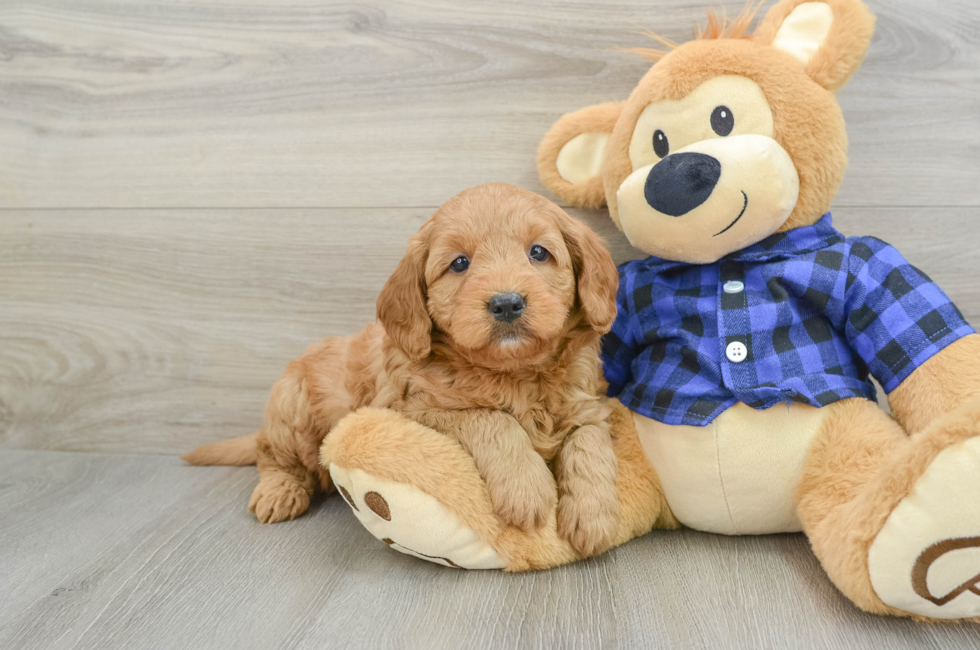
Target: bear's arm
941,385
895,317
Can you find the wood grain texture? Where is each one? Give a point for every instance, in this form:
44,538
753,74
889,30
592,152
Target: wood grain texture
216,103
154,331
142,552
192,191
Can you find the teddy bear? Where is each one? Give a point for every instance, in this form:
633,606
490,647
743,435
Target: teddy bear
740,357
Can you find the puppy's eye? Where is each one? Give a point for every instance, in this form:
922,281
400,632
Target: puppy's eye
538,253
460,264
660,145
722,120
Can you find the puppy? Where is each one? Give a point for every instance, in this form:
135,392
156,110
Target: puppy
489,332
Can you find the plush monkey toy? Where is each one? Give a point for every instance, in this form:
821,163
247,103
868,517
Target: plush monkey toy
743,345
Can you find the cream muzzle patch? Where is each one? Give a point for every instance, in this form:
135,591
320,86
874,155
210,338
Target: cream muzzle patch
708,177
737,191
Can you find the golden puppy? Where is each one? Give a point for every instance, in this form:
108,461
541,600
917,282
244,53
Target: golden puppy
489,332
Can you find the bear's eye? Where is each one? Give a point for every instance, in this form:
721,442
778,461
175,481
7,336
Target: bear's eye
660,145
538,253
722,120
460,264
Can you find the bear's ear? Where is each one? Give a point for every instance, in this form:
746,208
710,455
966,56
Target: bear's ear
829,37
570,156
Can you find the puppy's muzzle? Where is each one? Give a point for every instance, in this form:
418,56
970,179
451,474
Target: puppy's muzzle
507,307
681,182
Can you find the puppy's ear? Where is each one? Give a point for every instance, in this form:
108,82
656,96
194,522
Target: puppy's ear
595,273
570,155
829,37
402,304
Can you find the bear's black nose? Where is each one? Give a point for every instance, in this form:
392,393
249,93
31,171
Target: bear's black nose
681,182
506,307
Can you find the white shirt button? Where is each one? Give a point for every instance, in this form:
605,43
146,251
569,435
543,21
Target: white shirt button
734,286
736,352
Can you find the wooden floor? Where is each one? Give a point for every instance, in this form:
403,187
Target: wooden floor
108,551
193,191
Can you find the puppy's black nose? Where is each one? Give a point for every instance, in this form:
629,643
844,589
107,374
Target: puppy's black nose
507,307
681,182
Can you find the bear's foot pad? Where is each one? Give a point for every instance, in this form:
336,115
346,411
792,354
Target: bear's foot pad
412,521
926,558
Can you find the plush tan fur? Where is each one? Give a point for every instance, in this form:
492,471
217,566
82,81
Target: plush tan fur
940,386
717,27
640,493
591,119
842,54
863,462
505,391
807,119
862,465
387,444
438,367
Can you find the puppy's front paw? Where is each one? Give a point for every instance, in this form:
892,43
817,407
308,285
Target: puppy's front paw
524,496
588,522
278,499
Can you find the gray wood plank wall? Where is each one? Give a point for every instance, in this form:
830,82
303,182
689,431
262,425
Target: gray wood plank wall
151,331
318,136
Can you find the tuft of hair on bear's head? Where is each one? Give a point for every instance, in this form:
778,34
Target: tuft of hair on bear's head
718,27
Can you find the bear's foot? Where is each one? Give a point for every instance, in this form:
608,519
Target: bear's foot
418,491
412,521
925,560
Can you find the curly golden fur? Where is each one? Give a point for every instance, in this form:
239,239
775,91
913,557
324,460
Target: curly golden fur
518,396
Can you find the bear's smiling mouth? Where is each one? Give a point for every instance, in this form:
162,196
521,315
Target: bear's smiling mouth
745,204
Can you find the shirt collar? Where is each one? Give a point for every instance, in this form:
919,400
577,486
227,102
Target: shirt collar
780,245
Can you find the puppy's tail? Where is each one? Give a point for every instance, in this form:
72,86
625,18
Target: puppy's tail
237,451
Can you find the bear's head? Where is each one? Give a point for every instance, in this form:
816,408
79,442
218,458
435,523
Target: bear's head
726,140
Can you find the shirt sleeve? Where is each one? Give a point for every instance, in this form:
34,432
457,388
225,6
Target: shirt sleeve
897,318
619,346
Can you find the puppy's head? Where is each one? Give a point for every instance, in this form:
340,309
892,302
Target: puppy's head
502,275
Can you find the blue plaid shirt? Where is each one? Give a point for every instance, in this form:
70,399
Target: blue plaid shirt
814,314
